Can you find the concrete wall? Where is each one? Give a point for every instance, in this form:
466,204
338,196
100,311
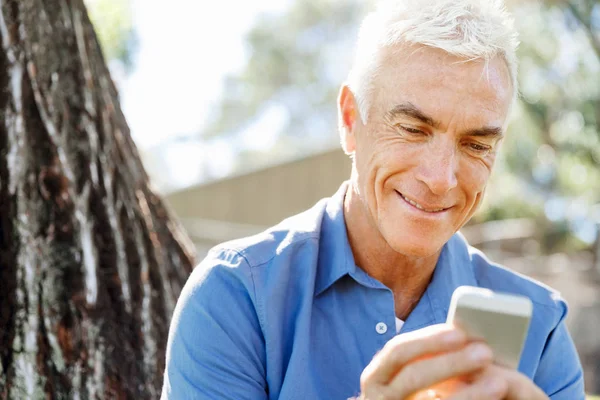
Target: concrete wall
266,196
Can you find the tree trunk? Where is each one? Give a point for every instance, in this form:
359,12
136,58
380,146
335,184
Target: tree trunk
91,261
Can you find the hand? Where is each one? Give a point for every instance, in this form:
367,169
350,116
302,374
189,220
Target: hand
418,360
508,384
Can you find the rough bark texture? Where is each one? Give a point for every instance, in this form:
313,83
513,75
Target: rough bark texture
90,260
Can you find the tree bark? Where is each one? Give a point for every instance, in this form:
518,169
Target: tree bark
91,261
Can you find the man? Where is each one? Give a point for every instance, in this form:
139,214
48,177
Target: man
310,308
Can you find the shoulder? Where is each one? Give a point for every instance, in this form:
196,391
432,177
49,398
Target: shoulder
290,233
498,277
236,260
547,339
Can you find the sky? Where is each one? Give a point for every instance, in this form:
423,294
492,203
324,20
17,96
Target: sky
185,49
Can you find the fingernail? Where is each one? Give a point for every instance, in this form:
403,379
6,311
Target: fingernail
480,352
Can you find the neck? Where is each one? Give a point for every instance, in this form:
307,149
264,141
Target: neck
406,275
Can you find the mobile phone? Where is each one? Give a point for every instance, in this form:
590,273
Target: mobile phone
499,319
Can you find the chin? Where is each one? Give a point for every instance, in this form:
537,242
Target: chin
416,248
414,244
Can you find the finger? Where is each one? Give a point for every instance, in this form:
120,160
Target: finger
424,373
406,347
440,390
519,386
488,387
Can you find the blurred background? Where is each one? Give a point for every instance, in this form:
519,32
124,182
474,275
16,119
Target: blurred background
232,107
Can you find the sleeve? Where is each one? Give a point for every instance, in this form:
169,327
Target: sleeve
216,348
559,373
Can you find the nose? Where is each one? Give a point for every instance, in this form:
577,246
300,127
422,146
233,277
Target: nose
438,167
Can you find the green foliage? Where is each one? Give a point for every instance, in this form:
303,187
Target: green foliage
553,145
113,22
296,62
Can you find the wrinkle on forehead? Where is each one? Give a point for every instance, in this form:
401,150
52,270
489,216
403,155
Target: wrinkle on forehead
412,69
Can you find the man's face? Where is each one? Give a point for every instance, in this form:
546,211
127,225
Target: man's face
425,155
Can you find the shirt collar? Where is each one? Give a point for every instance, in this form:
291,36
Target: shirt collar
335,255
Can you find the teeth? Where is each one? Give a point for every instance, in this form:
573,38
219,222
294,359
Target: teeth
420,207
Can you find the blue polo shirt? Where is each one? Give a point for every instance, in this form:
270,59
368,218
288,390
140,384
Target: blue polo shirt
287,314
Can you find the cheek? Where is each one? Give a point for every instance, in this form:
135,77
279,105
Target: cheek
397,155
382,157
369,164
474,177
473,186
376,168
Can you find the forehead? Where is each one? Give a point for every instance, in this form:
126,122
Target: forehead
438,82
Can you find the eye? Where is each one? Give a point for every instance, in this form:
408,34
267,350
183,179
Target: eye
411,130
478,148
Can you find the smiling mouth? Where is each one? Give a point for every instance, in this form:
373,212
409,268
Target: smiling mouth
420,207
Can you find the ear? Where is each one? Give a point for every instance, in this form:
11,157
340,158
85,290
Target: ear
347,119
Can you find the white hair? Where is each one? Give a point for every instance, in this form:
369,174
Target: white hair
470,29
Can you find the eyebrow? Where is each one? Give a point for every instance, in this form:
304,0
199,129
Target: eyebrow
488,132
411,111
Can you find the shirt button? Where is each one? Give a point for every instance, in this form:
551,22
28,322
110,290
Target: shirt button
381,328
